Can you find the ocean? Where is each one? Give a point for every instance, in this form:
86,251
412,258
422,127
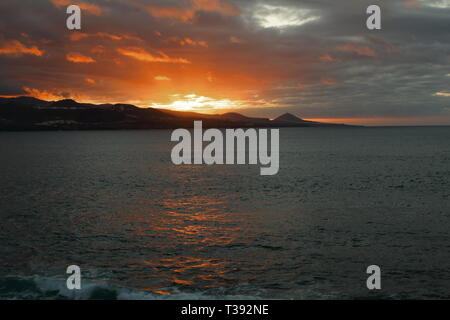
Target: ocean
140,227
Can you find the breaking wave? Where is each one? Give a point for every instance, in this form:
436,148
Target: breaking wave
41,288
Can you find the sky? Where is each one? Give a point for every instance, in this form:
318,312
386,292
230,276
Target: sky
313,58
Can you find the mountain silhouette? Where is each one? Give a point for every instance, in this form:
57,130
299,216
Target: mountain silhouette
289,117
27,113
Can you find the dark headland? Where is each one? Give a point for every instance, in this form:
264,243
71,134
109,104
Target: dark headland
27,113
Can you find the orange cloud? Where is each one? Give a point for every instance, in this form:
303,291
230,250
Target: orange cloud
76,36
359,50
234,39
327,58
15,47
98,49
142,55
88,7
189,41
329,82
162,78
42,94
89,80
186,41
172,13
187,13
76,57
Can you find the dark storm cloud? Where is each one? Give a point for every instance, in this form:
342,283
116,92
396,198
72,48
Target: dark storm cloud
388,73
329,66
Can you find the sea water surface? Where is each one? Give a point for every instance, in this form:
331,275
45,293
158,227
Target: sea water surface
140,227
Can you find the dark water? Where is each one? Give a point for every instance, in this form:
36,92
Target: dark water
140,227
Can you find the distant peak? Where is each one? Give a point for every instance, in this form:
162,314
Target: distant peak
289,117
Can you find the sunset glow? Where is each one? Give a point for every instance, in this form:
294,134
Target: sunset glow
193,102
263,59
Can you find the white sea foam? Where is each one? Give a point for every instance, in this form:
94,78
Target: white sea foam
38,287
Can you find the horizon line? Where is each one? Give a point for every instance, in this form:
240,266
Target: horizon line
372,122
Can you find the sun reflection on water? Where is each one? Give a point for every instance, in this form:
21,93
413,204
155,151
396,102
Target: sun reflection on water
186,234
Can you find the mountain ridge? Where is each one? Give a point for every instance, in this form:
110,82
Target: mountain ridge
28,113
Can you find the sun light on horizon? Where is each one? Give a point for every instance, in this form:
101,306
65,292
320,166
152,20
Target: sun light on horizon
194,102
